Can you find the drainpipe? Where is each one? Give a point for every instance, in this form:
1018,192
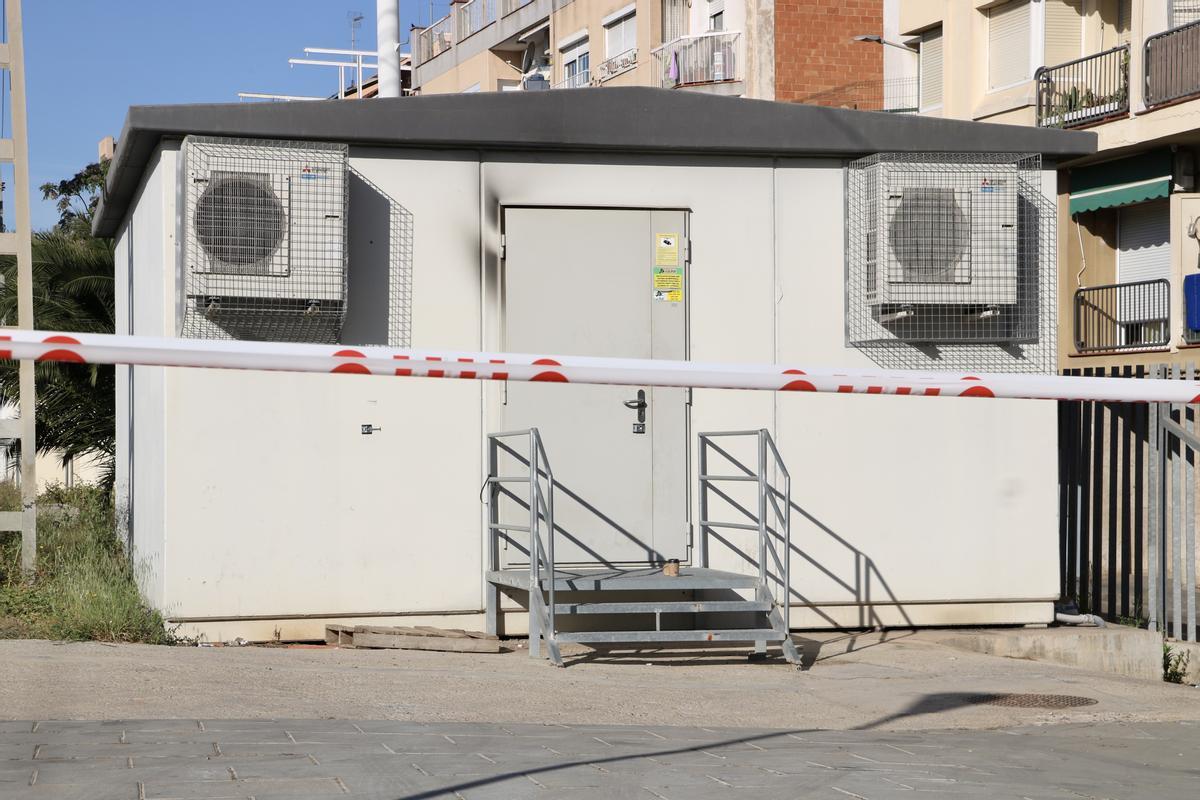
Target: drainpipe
387,26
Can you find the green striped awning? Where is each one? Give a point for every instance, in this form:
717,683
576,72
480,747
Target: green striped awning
1146,176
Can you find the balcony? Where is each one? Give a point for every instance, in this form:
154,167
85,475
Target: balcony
474,16
1123,316
1084,91
436,39
703,59
1173,65
622,62
576,81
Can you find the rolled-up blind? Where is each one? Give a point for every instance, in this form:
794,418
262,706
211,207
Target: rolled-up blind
1008,44
931,68
1064,31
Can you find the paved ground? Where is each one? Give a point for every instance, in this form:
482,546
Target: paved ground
901,681
914,715
155,760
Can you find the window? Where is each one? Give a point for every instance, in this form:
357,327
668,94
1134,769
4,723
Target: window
1064,31
576,67
931,69
620,34
716,15
1184,12
1008,44
674,22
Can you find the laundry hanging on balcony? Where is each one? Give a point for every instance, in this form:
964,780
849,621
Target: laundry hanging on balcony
1123,182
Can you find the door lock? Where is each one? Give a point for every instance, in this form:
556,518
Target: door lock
638,405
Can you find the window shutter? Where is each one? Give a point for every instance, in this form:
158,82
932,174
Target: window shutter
621,36
674,20
1124,20
1008,44
1144,242
1064,31
931,68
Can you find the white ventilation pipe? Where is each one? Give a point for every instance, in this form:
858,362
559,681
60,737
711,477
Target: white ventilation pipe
387,28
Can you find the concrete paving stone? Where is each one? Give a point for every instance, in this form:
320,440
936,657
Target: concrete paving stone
51,750
256,787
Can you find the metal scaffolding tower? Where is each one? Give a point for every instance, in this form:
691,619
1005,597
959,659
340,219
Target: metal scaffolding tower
18,242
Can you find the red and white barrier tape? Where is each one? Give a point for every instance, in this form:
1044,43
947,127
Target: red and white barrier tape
275,356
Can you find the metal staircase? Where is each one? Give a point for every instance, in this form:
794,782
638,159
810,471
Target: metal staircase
645,606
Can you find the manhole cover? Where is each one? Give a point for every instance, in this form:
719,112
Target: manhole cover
1034,700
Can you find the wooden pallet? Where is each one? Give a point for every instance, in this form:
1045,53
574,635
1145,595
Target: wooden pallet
418,637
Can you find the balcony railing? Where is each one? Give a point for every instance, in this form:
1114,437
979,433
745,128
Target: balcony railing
509,6
894,95
705,58
576,81
622,62
1173,64
437,38
474,16
1123,316
1085,90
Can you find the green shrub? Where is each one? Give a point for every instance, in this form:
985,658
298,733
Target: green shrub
1175,664
84,586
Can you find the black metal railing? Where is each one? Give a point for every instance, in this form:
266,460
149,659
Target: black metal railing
1173,64
1123,316
1085,90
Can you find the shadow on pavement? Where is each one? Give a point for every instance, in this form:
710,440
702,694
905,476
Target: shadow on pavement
928,704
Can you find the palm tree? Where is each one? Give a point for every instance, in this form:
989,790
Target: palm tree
72,291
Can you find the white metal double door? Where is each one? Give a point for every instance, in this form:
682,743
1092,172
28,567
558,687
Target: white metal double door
602,282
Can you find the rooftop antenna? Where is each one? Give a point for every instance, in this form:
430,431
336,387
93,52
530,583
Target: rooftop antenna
356,18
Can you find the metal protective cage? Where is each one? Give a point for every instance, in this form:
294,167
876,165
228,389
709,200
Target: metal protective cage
950,262
264,240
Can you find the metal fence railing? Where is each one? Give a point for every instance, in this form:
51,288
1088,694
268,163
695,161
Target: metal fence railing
1172,63
577,81
1123,316
622,62
1085,90
712,57
509,6
436,39
770,517
1128,482
474,16
894,95
539,502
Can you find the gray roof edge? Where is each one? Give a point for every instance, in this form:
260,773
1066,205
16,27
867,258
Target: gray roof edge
618,119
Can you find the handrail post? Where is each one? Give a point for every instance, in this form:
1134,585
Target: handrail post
787,551
701,527
535,586
550,568
762,506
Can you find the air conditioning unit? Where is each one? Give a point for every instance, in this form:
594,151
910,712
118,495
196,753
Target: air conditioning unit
943,236
264,239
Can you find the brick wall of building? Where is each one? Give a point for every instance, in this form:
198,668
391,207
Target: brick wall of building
816,60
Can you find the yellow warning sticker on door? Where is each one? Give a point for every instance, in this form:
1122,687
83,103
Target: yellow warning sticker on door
666,250
668,284
668,278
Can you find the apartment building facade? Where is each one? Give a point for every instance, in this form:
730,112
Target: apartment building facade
1129,259
794,50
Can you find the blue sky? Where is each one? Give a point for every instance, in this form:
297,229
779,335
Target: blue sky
87,61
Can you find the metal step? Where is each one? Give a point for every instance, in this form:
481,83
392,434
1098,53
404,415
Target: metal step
614,637
699,606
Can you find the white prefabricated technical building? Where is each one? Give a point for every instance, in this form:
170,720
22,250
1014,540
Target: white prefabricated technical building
625,222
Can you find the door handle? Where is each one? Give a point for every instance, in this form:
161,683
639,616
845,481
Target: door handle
639,405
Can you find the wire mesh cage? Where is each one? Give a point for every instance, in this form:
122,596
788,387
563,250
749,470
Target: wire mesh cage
264,244
950,262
